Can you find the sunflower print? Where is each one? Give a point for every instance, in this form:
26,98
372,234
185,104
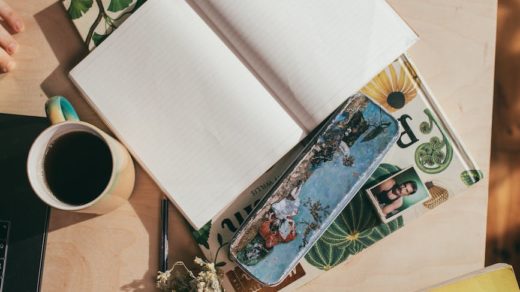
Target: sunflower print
391,91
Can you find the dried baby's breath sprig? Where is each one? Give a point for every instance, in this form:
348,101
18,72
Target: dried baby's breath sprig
207,279
180,279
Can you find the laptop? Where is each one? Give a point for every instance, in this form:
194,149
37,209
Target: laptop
23,217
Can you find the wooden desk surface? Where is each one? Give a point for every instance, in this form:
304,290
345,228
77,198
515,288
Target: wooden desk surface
119,251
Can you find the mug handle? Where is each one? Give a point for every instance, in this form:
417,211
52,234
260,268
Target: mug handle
59,110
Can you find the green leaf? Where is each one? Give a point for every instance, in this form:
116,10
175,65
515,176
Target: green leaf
201,236
138,4
79,7
324,256
220,264
118,5
357,227
98,38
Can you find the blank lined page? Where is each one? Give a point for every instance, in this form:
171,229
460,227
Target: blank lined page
312,54
189,111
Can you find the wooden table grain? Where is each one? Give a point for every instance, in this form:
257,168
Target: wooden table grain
119,251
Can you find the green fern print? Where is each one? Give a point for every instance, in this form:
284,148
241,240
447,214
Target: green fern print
356,228
435,155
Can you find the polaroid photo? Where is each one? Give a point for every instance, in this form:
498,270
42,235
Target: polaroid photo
394,195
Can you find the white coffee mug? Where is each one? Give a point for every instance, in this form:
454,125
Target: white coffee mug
64,121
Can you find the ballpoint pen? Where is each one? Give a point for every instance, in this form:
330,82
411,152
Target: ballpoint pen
163,256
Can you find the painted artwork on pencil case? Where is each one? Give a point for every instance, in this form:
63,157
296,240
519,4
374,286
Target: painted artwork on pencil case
314,190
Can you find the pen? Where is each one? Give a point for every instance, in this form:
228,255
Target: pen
163,256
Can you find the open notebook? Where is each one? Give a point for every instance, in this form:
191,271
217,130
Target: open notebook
207,95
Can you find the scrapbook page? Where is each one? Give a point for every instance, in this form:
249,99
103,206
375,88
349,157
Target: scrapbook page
427,146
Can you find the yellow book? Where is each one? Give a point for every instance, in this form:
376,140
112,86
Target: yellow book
498,277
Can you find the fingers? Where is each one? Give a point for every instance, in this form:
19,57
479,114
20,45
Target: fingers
11,17
6,62
8,45
7,41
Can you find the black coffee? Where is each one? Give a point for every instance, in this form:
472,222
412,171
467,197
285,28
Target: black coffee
78,167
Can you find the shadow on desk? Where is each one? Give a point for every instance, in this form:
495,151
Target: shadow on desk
118,250
69,50
146,202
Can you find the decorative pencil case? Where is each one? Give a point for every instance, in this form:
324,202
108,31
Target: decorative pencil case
340,157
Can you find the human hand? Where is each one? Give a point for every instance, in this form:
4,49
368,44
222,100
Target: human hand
8,46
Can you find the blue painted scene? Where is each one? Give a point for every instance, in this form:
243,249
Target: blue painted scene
318,187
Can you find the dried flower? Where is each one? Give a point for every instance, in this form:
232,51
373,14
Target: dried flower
180,279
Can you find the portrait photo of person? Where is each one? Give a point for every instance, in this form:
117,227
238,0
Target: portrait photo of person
397,193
